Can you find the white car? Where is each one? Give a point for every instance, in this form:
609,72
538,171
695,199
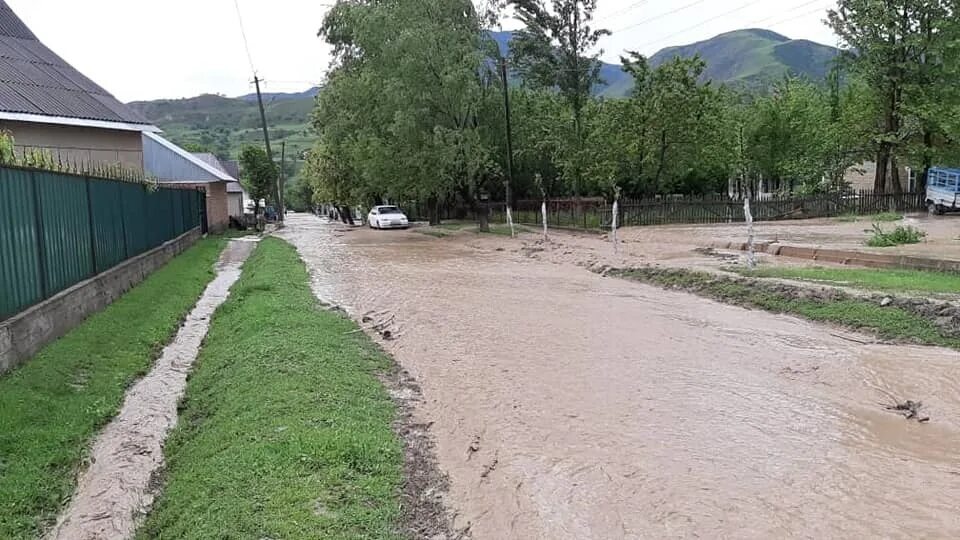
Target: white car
387,217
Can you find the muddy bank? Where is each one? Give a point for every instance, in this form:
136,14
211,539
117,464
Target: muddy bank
117,489
568,405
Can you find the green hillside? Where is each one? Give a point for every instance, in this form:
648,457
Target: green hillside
755,56
224,125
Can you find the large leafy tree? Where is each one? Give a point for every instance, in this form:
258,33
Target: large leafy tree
401,113
901,49
558,49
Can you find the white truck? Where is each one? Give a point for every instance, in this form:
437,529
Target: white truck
943,191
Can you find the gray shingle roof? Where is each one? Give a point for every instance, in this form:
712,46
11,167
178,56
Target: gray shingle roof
34,80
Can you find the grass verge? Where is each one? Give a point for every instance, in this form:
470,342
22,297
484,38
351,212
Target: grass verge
52,406
875,280
895,323
285,431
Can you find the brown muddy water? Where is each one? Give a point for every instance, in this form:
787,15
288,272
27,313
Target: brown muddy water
568,405
116,490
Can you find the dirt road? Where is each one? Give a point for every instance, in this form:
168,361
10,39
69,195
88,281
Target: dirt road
568,405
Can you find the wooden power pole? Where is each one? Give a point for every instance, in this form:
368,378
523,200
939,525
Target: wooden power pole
266,133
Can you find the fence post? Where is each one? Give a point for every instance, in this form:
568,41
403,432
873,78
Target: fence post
92,229
41,241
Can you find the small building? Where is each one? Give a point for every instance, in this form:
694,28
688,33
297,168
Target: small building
171,164
46,104
236,195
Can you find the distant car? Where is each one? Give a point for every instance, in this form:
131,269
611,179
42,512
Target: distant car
387,217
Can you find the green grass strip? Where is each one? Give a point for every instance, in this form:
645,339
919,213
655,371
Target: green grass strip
890,322
285,431
53,406
864,278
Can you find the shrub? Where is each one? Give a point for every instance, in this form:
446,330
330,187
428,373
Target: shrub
899,236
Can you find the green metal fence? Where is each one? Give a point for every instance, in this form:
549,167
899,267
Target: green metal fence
58,229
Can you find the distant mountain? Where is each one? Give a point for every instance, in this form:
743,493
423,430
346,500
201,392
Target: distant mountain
755,55
283,96
224,125
743,57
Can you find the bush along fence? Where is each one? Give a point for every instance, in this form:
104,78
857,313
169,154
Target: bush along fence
57,229
596,213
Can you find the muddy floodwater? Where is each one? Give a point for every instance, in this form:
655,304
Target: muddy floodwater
569,405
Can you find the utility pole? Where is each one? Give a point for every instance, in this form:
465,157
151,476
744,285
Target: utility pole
263,121
283,179
506,108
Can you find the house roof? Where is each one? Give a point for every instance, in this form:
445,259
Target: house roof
232,167
235,187
36,85
210,160
174,165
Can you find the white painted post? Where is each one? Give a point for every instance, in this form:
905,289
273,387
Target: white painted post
543,212
510,221
751,254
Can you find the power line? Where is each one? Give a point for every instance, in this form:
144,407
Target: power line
662,15
791,10
796,17
631,7
243,32
694,27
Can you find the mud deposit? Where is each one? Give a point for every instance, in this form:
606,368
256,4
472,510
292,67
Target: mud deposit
115,490
568,405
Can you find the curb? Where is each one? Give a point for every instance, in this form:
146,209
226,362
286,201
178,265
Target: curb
846,257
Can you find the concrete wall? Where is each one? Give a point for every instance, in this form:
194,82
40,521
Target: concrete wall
23,335
80,144
218,213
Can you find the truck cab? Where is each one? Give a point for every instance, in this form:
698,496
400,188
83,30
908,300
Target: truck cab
943,190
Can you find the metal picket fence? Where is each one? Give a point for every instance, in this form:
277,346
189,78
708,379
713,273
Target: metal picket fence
58,229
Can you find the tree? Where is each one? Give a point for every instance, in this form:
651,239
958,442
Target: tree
401,111
556,50
259,174
899,48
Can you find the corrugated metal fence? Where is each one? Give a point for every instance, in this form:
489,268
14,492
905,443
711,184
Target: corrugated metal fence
58,229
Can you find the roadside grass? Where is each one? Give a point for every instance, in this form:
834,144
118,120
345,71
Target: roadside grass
884,217
890,323
285,430
53,406
892,280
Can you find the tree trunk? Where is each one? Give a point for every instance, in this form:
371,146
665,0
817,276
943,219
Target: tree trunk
433,208
883,158
895,175
663,160
483,216
927,161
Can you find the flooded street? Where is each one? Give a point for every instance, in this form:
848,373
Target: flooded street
569,405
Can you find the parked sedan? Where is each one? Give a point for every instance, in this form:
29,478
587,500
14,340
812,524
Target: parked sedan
387,217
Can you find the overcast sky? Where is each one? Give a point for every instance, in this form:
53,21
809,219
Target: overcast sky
139,49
